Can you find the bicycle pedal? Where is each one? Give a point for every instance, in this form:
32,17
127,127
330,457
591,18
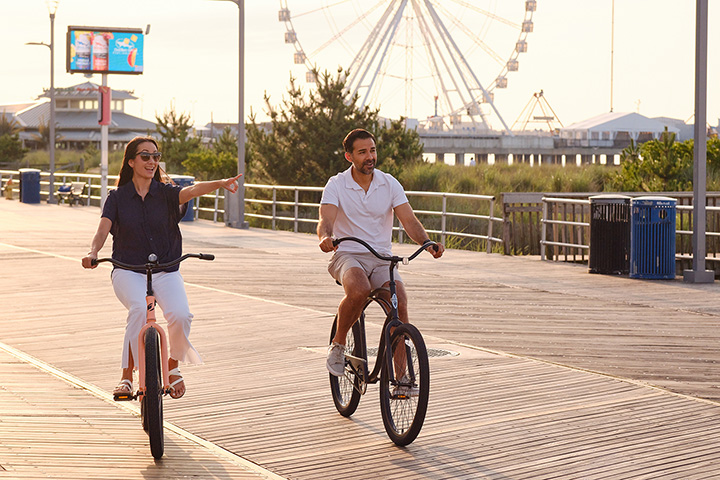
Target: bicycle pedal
123,397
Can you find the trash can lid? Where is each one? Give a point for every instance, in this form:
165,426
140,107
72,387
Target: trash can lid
28,170
651,200
610,198
181,177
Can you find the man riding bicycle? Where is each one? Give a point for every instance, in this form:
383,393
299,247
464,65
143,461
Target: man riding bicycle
360,202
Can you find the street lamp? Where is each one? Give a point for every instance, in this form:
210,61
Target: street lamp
235,211
52,9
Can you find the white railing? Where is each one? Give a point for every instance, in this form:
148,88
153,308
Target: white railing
546,221
544,242
276,217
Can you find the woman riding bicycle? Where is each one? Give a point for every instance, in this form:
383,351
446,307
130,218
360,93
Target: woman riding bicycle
142,215
360,202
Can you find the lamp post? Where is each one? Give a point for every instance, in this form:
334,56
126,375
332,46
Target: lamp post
52,9
235,211
699,274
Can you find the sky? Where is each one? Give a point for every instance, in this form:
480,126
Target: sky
191,55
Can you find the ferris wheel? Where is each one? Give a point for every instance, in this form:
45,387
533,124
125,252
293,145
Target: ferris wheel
423,59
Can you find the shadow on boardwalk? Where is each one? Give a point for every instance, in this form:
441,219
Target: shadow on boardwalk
553,379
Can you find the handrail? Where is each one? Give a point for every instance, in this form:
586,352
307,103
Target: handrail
546,220
215,198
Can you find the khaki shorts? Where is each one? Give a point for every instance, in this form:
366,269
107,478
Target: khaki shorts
377,271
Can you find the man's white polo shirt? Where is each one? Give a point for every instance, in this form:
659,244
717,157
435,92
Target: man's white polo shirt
366,215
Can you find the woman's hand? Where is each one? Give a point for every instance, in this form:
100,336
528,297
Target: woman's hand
231,184
87,260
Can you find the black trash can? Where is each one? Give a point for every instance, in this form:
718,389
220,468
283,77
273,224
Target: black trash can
609,234
185,181
29,185
652,238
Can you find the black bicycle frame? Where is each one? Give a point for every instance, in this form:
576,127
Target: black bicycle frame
392,320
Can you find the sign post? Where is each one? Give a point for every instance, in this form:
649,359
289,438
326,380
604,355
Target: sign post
105,50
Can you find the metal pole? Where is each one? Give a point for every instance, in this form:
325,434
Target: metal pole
51,187
236,212
612,54
698,274
104,155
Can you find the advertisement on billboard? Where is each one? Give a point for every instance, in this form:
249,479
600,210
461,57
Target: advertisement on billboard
105,50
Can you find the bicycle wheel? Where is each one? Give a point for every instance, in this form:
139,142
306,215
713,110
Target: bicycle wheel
346,389
403,406
153,411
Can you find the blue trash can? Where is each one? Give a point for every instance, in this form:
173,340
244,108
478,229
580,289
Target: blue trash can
185,181
29,185
652,238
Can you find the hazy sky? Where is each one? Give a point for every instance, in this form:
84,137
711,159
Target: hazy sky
191,55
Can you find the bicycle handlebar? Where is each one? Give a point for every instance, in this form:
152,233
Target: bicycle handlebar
152,265
394,258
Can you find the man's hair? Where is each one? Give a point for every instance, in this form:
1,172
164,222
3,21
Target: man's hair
356,134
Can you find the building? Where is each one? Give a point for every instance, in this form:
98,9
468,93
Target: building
614,130
76,118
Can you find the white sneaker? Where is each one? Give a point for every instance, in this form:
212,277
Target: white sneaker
406,389
336,359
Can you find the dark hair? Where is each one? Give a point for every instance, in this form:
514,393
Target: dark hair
356,134
131,151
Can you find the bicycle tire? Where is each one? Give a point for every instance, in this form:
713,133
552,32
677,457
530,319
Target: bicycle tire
346,389
403,413
153,393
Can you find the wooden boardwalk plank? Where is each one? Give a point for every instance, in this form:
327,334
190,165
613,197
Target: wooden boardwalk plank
516,403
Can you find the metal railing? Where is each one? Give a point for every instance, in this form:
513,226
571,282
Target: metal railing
573,226
271,203
578,232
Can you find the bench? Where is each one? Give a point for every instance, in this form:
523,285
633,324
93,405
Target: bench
72,193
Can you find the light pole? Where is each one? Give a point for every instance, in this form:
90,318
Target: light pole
235,211
52,9
699,274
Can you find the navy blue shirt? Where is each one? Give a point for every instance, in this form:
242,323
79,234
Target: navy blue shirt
141,227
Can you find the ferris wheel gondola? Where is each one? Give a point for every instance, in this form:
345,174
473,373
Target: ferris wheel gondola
415,58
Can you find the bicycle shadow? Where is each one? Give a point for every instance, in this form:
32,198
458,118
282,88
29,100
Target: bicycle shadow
440,462
183,459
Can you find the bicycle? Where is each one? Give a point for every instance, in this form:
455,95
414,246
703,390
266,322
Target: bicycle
154,377
403,373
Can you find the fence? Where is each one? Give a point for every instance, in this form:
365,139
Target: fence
553,225
297,207
565,228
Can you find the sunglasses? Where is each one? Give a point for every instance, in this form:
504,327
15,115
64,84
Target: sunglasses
145,156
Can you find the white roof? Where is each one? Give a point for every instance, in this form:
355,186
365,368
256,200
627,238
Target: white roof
621,122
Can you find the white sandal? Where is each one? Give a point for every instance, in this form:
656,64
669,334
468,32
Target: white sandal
123,390
175,372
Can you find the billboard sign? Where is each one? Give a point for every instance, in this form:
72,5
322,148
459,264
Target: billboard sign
105,50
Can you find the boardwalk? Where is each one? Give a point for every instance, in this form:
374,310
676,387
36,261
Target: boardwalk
550,372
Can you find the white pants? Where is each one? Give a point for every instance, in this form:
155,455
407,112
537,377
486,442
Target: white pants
169,288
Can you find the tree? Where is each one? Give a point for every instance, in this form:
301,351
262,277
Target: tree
11,149
42,138
220,161
176,139
206,164
226,142
89,158
304,144
657,165
8,125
